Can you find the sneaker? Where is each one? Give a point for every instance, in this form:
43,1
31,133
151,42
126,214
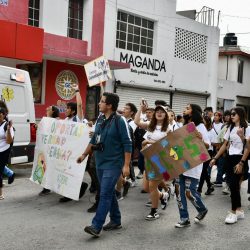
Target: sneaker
11,178
112,226
200,216
152,216
248,198
44,192
209,190
240,214
91,230
119,196
183,223
64,199
164,200
134,184
148,204
83,189
143,191
217,184
126,187
1,197
139,176
93,208
231,218
226,190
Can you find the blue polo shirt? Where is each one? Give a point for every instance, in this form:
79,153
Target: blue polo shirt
114,134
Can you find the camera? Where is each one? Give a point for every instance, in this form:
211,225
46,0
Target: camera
98,147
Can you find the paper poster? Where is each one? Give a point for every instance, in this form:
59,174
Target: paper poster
59,143
175,154
98,71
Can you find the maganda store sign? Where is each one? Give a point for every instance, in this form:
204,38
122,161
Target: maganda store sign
144,69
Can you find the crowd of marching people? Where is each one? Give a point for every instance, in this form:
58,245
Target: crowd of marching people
115,149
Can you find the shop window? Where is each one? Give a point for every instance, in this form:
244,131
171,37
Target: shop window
34,7
134,33
240,70
35,71
75,19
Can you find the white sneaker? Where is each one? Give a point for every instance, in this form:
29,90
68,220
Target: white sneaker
134,184
231,218
226,190
164,200
240,214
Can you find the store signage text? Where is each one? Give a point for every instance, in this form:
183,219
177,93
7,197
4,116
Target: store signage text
143,63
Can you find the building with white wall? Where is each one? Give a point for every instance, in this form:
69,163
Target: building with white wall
233,78
166,55
171,57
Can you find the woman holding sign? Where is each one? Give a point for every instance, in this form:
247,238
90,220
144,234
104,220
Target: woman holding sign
188,181
156,129
236,164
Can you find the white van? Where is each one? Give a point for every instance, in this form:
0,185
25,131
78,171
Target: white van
16,91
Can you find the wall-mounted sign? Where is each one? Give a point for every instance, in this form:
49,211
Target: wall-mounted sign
97,71
64,82
4,2
144,69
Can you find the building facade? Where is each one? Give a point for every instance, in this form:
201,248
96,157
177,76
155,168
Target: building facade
165,55
233,78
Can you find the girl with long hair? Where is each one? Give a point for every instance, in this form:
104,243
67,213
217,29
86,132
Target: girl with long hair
236,165
6,139
156,129
188,181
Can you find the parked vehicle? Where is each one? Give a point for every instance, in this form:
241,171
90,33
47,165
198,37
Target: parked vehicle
16,92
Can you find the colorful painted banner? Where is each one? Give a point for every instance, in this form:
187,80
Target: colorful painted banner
97,71
59,143
174,154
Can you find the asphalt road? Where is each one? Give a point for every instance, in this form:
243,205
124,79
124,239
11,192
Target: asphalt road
31,222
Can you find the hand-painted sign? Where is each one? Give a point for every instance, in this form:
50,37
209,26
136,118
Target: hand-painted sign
174,154
59,143
98,71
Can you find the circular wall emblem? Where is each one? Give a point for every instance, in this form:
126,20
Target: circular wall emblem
64,82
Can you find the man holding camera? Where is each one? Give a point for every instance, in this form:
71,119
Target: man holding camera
112,148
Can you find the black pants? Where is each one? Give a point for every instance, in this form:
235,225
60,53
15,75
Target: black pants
234,179
91,169
204,175
4,157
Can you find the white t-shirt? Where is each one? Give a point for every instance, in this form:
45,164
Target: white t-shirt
77,119
212,137
3,144
132,125
173,126
235,143
156,135
179,124
217,127
196,171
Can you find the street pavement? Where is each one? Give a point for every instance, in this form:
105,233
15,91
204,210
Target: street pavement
30,222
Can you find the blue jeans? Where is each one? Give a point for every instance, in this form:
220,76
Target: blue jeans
188,184
7,171
108,202
220,164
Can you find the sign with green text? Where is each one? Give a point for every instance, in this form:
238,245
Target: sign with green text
175,154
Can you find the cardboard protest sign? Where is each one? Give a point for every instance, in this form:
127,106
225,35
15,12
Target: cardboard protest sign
174,154
97,71
59,143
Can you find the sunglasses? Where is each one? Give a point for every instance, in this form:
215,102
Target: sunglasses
233,114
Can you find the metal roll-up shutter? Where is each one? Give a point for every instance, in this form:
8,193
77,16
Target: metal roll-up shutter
134,95
181,100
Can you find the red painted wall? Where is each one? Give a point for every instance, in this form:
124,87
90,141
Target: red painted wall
21,41
51,96
16,11
98,28
64,47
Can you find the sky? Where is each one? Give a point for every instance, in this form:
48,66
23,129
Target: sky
234,16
